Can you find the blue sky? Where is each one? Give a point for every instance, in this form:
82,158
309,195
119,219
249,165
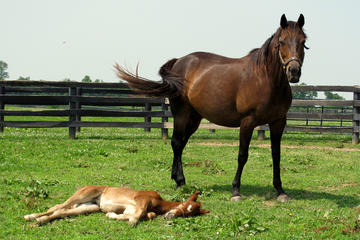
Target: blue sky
53,40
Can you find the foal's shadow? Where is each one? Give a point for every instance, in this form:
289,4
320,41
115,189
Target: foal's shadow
343,201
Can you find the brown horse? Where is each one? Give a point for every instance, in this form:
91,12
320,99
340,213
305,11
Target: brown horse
246,92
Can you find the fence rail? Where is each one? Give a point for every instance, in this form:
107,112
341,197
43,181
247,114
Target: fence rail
76,100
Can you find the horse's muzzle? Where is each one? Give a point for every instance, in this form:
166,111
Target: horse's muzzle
293,72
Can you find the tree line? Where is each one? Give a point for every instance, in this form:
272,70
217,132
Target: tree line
296,95
5,75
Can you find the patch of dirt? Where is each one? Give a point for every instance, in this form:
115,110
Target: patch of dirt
283,146
194,164
320,229
269,203
341,186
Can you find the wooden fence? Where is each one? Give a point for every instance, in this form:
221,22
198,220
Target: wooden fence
75,100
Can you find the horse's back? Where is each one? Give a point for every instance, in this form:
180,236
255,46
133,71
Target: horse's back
212,85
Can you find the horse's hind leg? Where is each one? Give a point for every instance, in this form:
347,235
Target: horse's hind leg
186,121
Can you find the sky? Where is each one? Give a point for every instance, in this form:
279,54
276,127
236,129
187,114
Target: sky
53,40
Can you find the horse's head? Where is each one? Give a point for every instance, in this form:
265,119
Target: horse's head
291,47
187,209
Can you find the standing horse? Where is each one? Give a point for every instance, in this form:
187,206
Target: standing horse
246,92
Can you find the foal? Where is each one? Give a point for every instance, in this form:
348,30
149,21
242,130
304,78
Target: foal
121,204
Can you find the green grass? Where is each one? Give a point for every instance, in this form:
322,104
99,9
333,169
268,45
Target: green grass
42,167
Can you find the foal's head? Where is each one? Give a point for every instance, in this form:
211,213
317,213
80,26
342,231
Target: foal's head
187,209
291,47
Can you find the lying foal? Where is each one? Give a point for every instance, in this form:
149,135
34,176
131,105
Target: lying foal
119,203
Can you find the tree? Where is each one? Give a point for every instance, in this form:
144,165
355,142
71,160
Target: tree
86,79
330,95
24,78
305,95
3,68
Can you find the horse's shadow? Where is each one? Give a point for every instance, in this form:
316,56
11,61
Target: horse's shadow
343,201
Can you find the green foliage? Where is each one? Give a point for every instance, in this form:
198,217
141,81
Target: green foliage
3,67
333,96
86,79
24,78
304,95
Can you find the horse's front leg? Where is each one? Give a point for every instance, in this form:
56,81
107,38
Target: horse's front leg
246,130
276,131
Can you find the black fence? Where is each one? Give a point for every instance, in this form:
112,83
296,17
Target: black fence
75,100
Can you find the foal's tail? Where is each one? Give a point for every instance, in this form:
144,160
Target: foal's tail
172,84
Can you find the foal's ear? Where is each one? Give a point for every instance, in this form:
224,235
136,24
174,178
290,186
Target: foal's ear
203,211
194,196
301,21
283,22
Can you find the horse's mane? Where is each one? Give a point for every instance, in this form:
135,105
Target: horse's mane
260,55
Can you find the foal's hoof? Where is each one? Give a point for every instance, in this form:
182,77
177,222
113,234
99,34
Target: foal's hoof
283,198
29,217
236,198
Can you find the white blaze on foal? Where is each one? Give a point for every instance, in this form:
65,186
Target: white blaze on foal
119,203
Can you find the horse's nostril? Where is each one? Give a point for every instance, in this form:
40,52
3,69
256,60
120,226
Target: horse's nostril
294,70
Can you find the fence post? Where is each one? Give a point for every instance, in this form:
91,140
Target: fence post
147,118
261,134
356,116
2,107
72,115
78,108
164,131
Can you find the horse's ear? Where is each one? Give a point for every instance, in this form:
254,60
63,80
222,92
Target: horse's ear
194,196
283,22
301,21
203,211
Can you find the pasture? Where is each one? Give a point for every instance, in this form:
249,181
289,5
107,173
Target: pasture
42,167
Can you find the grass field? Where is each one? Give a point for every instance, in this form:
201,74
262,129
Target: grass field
42,167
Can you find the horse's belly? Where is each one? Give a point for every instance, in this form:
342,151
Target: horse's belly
118,205
224,117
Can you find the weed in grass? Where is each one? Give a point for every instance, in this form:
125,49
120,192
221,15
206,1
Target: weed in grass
246,224
339,145
132,149
36,190
211,167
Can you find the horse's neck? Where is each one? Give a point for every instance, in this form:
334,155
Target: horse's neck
165,206
274,68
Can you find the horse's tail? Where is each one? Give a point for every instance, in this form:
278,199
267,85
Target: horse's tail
172,84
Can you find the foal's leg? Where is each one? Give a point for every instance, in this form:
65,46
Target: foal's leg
276,131
186,121
246,130
83,195
62,213
142,204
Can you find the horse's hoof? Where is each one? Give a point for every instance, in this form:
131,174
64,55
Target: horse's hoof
283,198
179,185
236,198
